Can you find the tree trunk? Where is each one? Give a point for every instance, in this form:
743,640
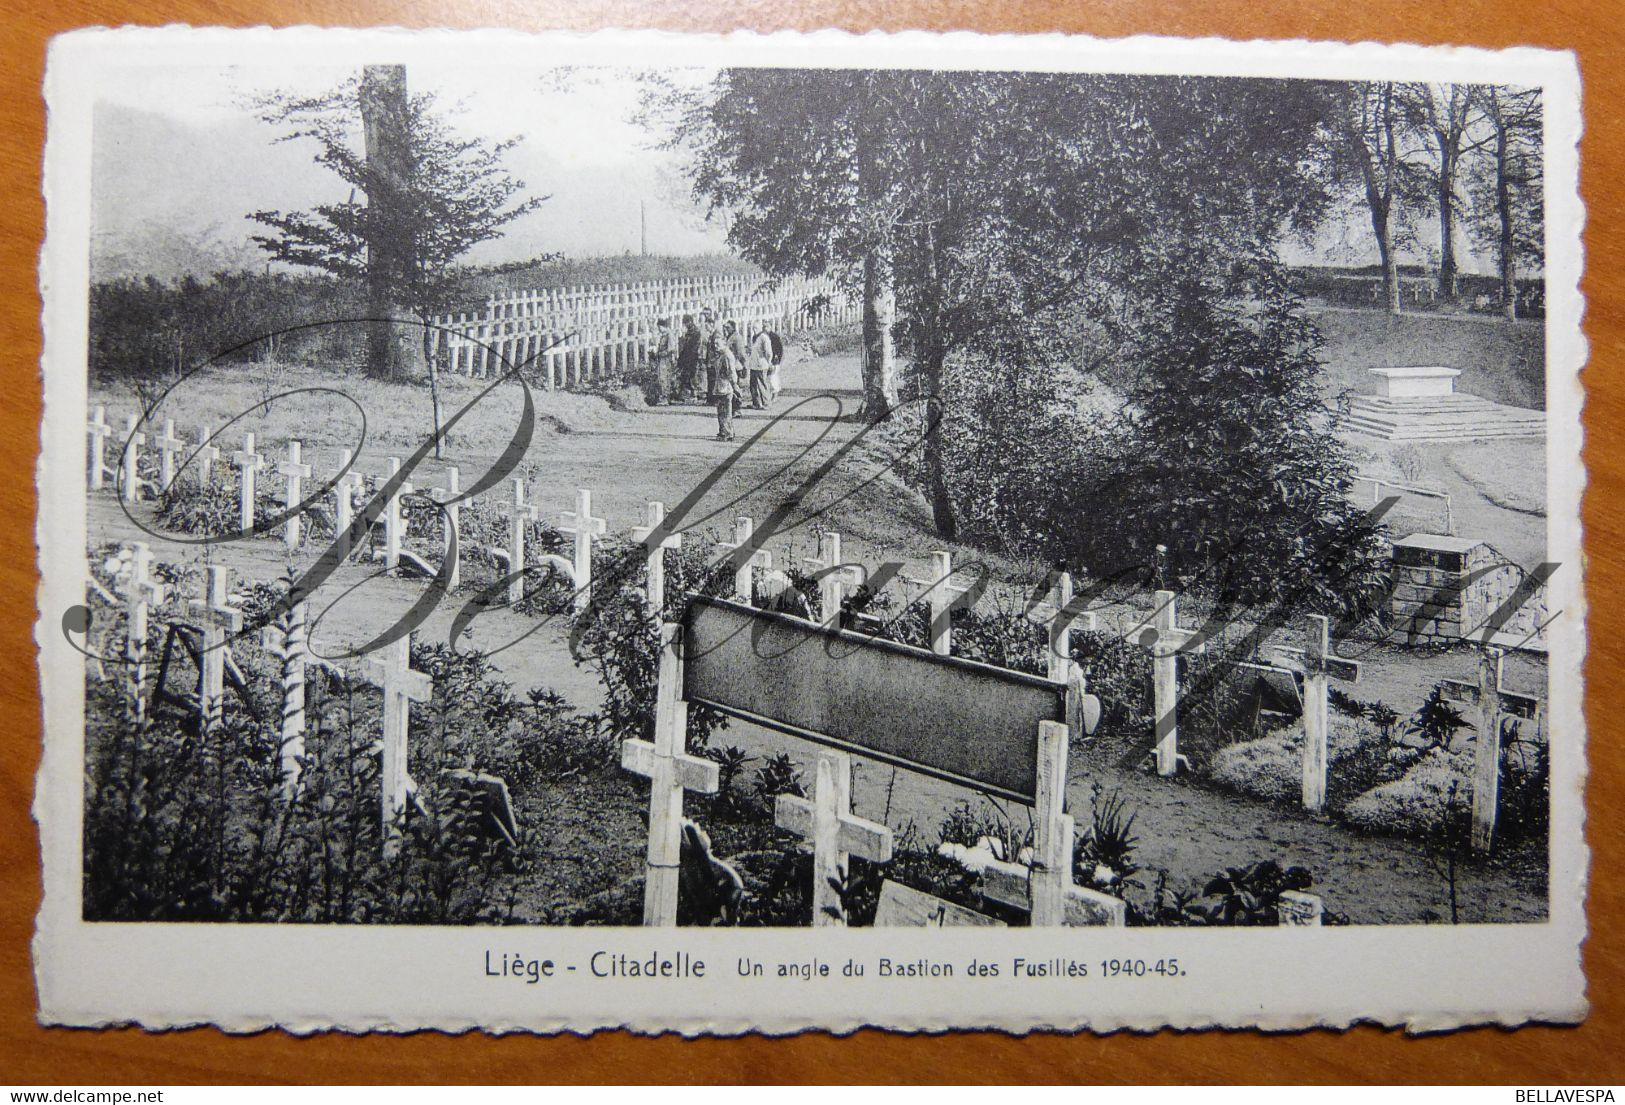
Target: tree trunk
1503,212
932,367
391,349
879,358
434,383
1382,225
1448,268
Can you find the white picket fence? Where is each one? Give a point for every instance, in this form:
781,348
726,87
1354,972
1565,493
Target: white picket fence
579,334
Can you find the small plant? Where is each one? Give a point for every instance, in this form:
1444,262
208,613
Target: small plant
1244,895
1103,856
778,775
1436,721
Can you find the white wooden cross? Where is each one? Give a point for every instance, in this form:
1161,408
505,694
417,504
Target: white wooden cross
207,453
452,547
218,618
392,518
655,554
1165,639
585,528
99,433
143,591
1493,703
836,834
1317,665
942,596
287,640
1062,616
671,771
745,566
345,487
402,686
1046,888
132,458
295,473
168,445
833,578
249,463
523,514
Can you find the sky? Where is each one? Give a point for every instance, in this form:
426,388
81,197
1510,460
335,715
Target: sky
180,159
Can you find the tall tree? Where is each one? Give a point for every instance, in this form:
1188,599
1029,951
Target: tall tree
994,195
1442,116
1364,148
431,196
1508,184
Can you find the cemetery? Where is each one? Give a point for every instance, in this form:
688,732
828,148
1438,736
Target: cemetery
447,767
1039,549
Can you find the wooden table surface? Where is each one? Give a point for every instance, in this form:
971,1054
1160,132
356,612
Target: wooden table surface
1592,1053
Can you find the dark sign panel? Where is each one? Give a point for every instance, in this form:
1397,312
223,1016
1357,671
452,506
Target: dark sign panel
964,722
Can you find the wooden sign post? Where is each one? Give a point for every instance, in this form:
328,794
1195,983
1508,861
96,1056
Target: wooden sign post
100,431
168,445
287,641
585,528
144,590
1493,704
836,835
394,530
393,674
671,771
218,618
131,460
1318,666
655,556
1165,640
745,566
451,547
523,514
295,473
833,578
1046,888
248,463
206,453
942,596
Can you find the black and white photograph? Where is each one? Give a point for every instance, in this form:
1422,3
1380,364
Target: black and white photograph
672,485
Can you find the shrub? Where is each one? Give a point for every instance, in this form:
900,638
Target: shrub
1415,802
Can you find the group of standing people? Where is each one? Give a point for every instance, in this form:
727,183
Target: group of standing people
720,363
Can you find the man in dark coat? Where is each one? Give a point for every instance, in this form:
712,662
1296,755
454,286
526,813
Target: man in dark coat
688,361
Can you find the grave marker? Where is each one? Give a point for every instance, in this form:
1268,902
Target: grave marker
836,834
1493,704
131,460
143,591
451,547
942,596
1295,908
585,528
248,463
655,554
833,578
1164,638
345,487
523,513
168,445
904,907
745,566
671,771
393,529
206,454
295,473
99,433
218,618
1062,615
1317,666
287,641
393,674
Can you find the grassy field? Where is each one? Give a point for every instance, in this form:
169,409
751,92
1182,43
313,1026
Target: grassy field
1499,360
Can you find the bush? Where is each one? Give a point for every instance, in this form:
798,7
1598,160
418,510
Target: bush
1414,804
